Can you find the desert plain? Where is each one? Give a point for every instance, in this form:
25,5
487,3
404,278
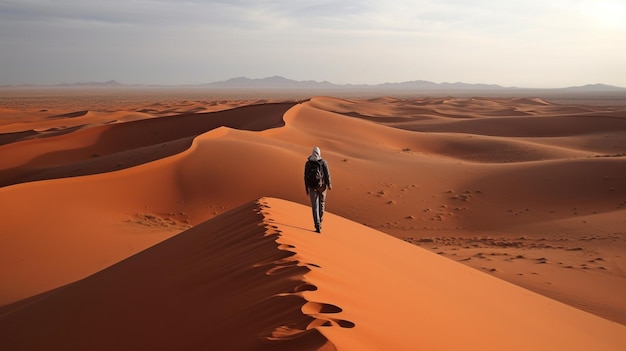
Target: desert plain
180,222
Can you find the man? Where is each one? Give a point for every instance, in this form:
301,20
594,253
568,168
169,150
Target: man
316,182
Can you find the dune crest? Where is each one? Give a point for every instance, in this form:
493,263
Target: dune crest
105,147
224,284
401,297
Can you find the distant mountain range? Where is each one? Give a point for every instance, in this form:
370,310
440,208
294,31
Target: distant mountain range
277,82
281,83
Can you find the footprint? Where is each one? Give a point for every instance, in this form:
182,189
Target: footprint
317,310
291,268
330,322
345,324
304,287
317,307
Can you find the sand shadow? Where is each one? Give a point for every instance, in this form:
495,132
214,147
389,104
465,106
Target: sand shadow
295,227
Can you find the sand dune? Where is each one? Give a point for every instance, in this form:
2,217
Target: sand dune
480,181
124,145
210,287
255,279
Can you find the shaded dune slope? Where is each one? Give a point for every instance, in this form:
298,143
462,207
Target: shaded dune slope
111,147
254,279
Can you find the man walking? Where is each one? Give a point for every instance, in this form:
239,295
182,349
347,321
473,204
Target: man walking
316,182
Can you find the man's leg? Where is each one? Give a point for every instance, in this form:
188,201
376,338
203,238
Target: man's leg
315,200
322,204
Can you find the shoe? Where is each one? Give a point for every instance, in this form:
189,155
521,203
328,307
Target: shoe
318,228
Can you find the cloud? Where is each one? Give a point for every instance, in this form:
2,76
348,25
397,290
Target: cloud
194,41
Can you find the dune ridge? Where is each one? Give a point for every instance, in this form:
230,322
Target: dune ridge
224,284
257,278
107,147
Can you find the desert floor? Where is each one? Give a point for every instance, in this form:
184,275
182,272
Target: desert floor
511,215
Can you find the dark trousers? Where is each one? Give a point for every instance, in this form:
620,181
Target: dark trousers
318,203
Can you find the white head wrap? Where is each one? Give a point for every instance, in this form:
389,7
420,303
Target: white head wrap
316,154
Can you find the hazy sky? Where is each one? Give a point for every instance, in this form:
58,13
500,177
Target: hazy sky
525,43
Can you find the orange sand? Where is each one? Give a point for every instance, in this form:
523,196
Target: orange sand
254,279
525,190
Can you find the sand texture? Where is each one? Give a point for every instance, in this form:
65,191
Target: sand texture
184,224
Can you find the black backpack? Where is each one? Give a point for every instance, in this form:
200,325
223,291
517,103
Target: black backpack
314,174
